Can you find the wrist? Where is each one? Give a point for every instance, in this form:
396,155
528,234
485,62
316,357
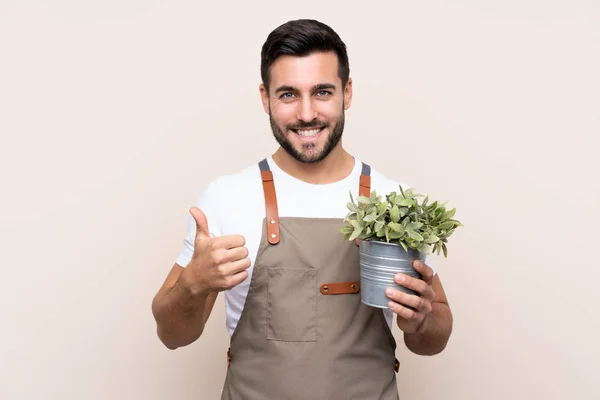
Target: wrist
191,287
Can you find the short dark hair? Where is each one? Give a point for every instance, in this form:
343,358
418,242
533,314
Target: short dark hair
300,38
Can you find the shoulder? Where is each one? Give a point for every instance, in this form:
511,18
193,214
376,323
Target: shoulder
238,185
226,186
233,198
384,183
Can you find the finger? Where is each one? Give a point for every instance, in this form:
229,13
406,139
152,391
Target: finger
235,267
425,271
238,278
409,300
235,254
418,285
404,312
201,223
230,241
239,273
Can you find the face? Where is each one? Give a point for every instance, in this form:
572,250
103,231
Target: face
306,104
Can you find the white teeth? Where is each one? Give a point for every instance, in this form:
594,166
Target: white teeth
312,132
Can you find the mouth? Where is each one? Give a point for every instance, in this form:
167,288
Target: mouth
309,134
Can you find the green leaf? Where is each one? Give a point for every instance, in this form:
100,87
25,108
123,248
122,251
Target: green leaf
356,224
401,190
382,207
446,226
360,214
355,234
352,207
445,250
370,218
364,200
404,246
395,213
347,229
450,214
379,225
415,225
396,235
414,235
391,197
406,202
396,227
432,239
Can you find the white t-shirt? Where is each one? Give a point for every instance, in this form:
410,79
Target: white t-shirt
235,204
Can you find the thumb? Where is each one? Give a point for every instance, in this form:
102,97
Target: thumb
201,223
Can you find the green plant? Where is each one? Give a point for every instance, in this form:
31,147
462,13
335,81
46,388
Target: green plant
401,219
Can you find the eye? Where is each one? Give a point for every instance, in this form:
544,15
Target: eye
324,93
285,95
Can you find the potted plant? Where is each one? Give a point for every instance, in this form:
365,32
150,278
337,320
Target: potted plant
392,232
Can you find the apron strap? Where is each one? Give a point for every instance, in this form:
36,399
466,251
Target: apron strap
364,188
270,202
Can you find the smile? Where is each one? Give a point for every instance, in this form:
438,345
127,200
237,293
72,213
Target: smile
308,132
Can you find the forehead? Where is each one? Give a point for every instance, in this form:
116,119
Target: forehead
304,72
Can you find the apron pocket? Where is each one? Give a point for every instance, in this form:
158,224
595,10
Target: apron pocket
292,304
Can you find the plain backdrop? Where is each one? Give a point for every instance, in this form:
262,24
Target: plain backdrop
115,114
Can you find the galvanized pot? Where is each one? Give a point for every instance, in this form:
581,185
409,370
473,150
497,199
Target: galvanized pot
379,262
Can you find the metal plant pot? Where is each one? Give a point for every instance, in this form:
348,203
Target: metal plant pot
379,262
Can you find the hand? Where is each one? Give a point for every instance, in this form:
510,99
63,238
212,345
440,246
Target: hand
217,263
412,320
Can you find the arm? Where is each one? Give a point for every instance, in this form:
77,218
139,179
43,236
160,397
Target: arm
180,312
425,318
432,336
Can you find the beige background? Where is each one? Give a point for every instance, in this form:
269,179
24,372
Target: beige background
114,114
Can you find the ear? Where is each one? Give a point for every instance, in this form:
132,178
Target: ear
348,94
264,96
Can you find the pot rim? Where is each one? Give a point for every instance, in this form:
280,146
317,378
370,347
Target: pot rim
383,243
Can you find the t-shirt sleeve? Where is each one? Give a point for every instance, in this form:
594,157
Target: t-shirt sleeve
208,201
429,260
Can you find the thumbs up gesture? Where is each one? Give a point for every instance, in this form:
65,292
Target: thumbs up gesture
218,263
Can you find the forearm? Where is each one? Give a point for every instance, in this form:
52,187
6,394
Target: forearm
435,332
179,315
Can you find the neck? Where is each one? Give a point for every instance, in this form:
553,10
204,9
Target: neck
336,166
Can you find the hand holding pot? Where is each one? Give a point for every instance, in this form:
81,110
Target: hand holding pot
218,263
412,309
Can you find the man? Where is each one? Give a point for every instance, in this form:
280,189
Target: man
268,237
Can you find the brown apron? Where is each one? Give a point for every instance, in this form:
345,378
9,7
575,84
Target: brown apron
304,333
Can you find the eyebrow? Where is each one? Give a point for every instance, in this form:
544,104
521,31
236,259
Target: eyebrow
320,86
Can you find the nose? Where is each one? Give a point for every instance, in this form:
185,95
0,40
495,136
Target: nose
307,111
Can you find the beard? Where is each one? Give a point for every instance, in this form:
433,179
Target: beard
309,153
